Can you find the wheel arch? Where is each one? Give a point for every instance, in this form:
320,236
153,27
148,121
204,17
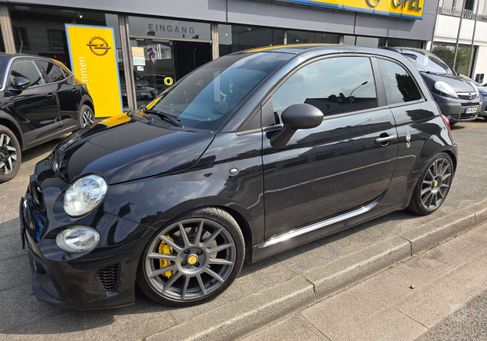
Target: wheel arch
13,126
88,101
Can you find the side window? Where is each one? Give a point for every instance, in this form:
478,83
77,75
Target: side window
28,69
54,73
335,86
400,85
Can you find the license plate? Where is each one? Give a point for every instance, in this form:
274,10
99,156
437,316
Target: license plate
471,110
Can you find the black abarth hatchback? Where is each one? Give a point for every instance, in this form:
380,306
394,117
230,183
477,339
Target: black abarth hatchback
250,155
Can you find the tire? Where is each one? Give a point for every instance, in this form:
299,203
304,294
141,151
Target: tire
184,280
10,154
86,116
432,189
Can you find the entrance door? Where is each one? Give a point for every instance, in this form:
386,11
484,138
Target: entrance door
154,69
190,55
160,63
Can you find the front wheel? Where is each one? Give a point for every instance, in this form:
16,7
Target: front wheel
193,259
433,185
10,154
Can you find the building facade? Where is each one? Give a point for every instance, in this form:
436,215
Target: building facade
462,26
159,42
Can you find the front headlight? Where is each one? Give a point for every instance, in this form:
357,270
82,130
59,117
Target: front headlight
445,89
84,195
78,239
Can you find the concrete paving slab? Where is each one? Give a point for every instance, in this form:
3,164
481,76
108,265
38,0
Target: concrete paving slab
292,328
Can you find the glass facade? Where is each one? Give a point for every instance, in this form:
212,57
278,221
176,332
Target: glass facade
162,50
306,37
239,37
446,52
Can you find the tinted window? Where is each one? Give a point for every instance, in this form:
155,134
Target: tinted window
28,69
207,96
400,86
53,72
335,86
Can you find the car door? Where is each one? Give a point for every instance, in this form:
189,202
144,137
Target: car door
344,163
36,105
68,92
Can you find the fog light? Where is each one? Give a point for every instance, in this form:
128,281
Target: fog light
78,239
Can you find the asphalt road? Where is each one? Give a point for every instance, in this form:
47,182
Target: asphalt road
469,323
23,317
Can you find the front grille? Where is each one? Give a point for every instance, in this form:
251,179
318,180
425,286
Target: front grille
467,95
109,277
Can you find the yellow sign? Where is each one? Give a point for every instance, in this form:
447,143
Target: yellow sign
411,9
94,62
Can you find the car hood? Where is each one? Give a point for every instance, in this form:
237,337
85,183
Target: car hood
458,83
122,149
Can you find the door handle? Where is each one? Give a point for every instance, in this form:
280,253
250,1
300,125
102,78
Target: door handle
385,138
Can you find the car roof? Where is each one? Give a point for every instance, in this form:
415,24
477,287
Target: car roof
312,50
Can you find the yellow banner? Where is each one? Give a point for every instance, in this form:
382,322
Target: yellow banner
412,9
94,62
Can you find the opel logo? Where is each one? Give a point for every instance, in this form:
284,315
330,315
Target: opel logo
373,3
98,46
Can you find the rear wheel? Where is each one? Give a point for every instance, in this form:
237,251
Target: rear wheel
86,116
193,259
433,185
10,154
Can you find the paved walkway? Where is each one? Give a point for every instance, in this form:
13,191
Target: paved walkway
404,301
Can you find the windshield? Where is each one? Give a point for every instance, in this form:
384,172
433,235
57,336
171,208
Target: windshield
207,96
427,62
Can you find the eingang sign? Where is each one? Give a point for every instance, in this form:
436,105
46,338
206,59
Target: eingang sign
412,9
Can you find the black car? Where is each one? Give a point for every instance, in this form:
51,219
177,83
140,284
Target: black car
250,155
456,95
40,100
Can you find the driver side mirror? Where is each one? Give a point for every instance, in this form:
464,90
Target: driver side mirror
296,116
20,83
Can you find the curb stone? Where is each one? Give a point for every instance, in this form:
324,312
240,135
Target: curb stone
248,313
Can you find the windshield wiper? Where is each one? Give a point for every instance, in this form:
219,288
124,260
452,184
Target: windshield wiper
166,117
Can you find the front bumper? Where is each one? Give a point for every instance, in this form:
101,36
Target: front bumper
101,279
455,109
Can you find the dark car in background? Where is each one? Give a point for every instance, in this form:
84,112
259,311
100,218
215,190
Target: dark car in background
40,100
250,155
456,95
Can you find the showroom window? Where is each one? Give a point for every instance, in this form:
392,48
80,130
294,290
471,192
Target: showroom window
400,86
446,52
240,37
306,37
348,86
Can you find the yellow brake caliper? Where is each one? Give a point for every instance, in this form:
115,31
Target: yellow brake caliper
166,250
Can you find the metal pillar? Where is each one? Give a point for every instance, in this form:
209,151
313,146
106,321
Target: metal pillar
128,65
7,32
215,41
458,37
472,48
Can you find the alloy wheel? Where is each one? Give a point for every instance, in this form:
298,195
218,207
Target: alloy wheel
8,154
190,259
436,184
88,117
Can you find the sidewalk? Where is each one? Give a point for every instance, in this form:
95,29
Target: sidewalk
399,303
